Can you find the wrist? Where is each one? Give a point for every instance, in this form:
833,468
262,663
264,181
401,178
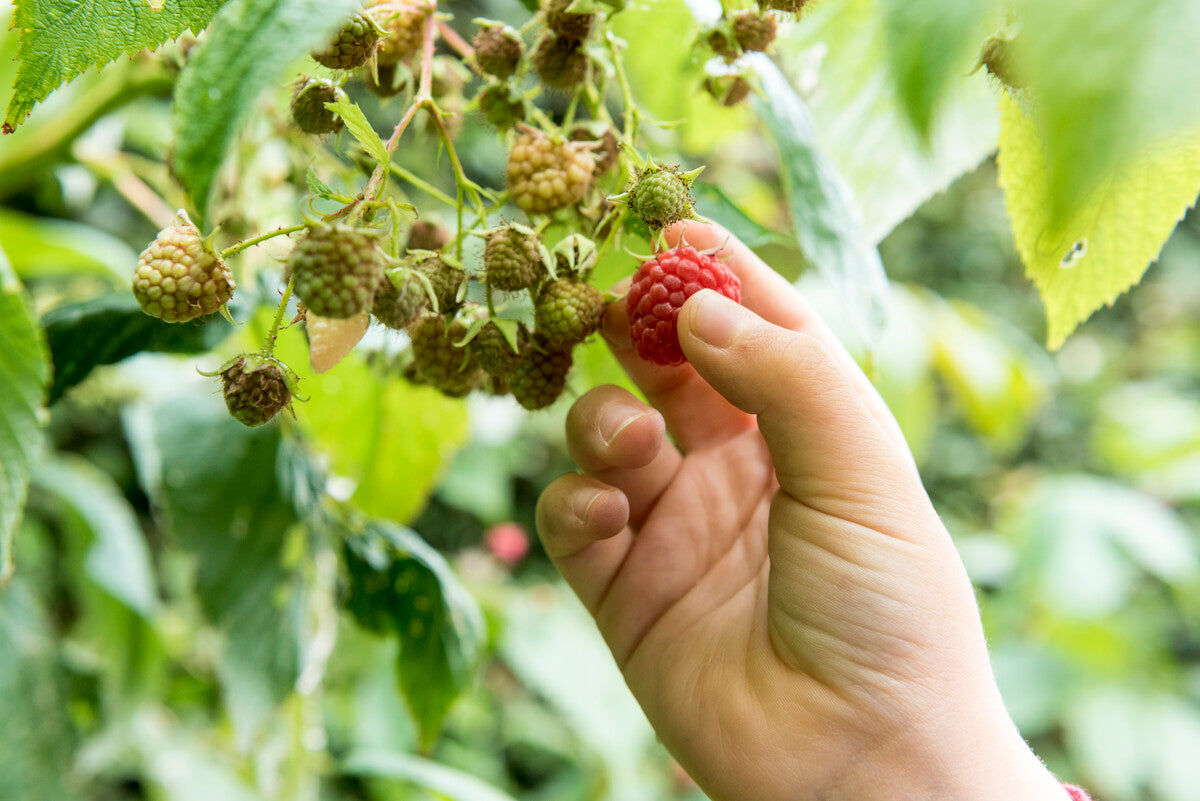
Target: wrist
965,758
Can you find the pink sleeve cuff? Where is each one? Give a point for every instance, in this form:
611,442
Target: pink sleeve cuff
1076,793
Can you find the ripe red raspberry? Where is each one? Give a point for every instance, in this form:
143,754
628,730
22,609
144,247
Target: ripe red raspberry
659,289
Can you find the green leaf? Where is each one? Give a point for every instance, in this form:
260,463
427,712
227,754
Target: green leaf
247,47
214,483
36,740
105,330
1105,245
42,246
59,39
1106,80
1087,538
118,559
823,214
24,373
399,585
931,43
391,438
839,57
357,124
316,185
998,377
440,779
718,206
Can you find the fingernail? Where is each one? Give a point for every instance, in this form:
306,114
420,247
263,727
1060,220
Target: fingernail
584,500
715,319
615,419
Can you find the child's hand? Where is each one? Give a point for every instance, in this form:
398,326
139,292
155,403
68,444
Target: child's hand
775,585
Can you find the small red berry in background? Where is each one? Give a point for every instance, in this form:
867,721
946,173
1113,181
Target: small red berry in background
508,542
659,289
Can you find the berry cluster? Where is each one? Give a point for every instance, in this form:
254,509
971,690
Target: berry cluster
498,302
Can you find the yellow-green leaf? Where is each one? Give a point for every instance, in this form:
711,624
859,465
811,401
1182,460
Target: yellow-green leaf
357,124
1105,244
391,439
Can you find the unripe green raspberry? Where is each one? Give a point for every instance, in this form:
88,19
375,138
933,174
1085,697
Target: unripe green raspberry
404,21
512,259
568,311
337,270
352,46
720,40
560,63
541,375
606,150
397,306
661,195
568,24
383,81
494,353
501,104
445,279
545,173
790,6
754,31
438,361
424,235
255,390
178,278
308,106
498,50
728,90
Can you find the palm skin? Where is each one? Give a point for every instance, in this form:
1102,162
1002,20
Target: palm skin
775,586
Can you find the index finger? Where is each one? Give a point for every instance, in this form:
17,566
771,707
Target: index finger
772,297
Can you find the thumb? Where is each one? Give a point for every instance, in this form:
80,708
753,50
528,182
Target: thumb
821,435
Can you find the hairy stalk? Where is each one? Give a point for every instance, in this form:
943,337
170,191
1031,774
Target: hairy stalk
240,246
269,346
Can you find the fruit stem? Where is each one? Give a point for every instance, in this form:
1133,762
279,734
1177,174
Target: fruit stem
269,347
421,184
459,44
627,100
240,246
375,187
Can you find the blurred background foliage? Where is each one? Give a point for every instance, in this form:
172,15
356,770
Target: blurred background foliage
178,627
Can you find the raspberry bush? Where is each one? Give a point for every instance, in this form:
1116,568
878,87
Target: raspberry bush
402,225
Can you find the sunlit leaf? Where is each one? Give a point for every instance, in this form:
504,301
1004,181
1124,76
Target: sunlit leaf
62,38
1105,245
445,781
24,373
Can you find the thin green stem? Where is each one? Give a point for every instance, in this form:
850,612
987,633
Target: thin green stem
240,246
421,184
627,101
269,347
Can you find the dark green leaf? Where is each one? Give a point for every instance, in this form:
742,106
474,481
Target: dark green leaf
117,559
716,205
24,373
107,329
214,482
36,741
399,585
443,780
62,38
931,43
247,47
41,246
823,212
